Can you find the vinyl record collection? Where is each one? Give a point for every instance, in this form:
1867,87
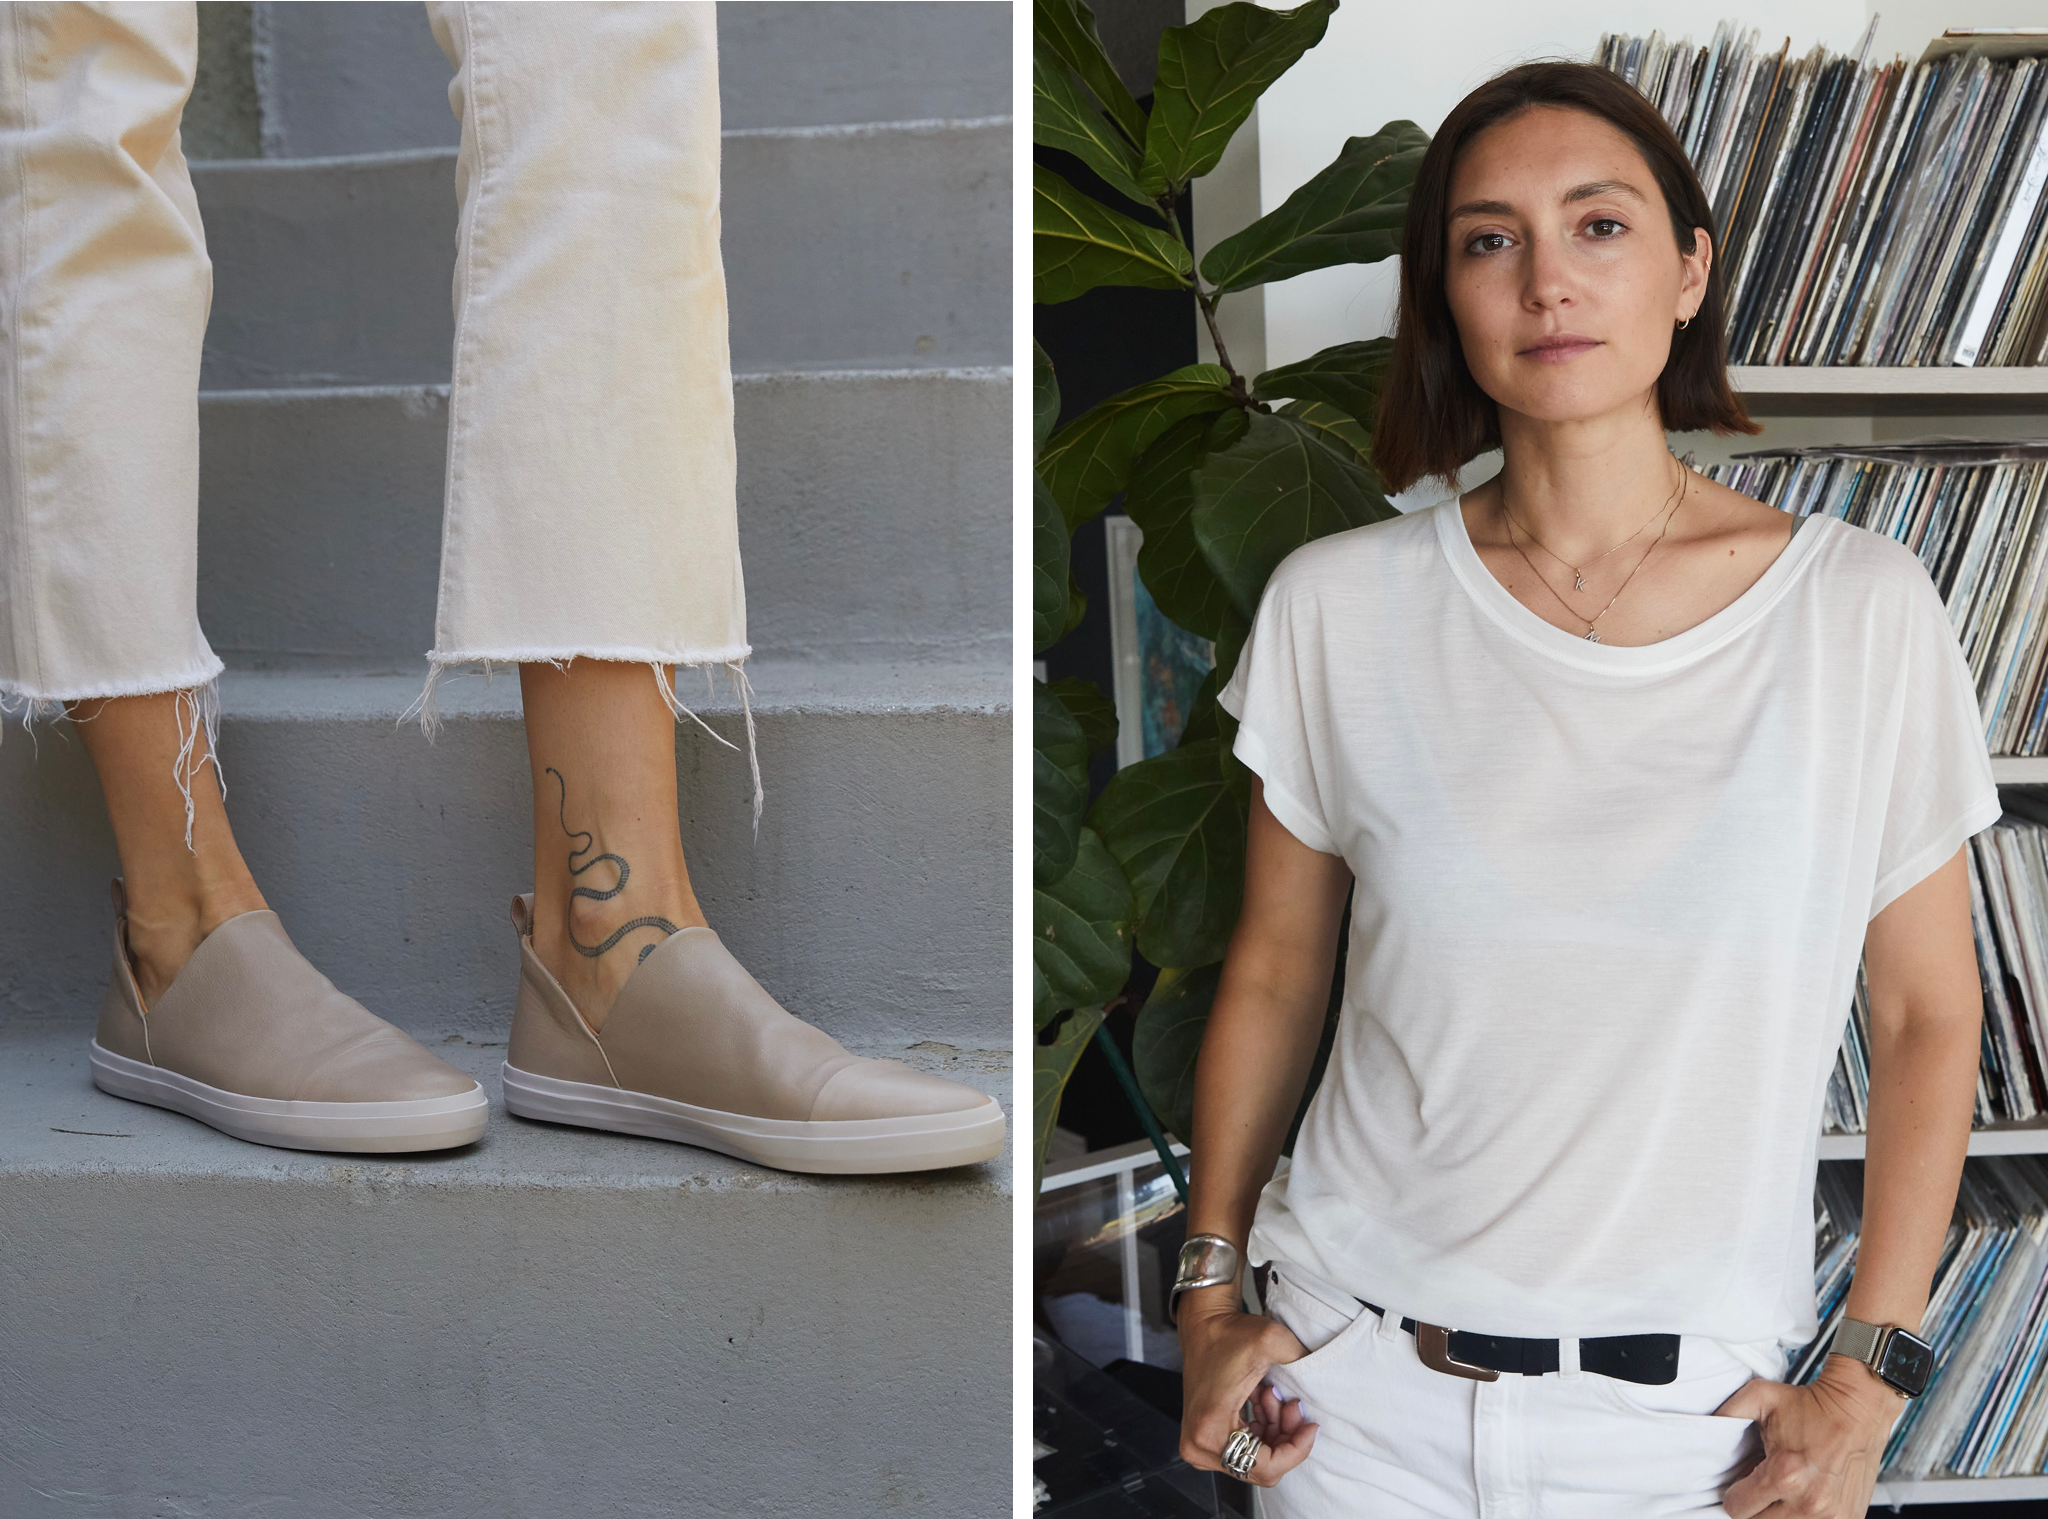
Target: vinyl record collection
1870,213
1977,515
1985,1414
2009,913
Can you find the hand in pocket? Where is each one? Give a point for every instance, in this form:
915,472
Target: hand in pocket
1225,1356
1823,1442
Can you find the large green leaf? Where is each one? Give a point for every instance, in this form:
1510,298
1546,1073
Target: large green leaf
1051,1065
1078,243
1051,555
1351,213
1278,487
1167,1040
1229,644
1062,117
1092,709
1045,399
1348,377
1207,717
1067,29
1089,460
1160,498
1059,785
1211,73
1077,605
1176,824
1338,431
1080,934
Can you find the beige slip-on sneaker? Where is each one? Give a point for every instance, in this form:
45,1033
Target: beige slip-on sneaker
695,1050
252,1039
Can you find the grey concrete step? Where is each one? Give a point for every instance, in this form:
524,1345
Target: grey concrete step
874,518
551,1322
875,902
369,78
884,244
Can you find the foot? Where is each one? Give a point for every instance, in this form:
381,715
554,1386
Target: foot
695,1050
250,1038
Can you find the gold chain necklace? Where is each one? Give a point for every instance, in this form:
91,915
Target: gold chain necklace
1579,571
1669,511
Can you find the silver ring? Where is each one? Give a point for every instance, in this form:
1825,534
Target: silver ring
1239,1452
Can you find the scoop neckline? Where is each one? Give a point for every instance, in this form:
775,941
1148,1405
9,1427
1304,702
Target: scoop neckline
1499,604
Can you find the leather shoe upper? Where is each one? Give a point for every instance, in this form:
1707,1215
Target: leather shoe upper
691,1025
249,1014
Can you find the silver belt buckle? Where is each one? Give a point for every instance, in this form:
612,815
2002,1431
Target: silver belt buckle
1433,1344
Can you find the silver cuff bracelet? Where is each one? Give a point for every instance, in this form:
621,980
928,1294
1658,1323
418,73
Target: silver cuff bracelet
1206,1260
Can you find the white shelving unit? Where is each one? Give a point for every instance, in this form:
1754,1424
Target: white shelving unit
1859,391
2029,1138
1960,1490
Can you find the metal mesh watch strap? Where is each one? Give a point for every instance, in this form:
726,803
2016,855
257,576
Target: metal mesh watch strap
1858,1341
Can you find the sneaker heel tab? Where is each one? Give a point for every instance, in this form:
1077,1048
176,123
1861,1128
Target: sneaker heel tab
522,914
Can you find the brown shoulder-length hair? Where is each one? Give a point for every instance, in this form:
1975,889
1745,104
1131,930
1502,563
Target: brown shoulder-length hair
1433,417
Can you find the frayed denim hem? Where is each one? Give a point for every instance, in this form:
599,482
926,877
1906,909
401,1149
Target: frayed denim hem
197,706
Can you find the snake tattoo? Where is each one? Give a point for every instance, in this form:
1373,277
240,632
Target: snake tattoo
592,951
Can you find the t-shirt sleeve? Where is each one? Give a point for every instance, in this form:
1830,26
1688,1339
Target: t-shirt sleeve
1275,695
1942,790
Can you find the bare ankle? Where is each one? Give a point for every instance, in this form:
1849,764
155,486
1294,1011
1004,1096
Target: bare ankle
166,924
597,929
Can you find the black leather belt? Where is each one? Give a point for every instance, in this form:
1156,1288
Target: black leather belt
1650,1358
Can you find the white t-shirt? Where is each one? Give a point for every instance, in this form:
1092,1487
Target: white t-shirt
1610,903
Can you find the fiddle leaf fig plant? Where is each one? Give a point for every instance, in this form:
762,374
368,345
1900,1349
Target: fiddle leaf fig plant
1225,473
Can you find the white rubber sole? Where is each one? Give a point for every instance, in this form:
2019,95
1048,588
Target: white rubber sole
841,1147
377,1128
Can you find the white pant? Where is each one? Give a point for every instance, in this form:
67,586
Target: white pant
1398,1440
590,485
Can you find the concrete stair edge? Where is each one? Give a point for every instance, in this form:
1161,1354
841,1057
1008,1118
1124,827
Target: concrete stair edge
823,374
916,126
513,1151
779,687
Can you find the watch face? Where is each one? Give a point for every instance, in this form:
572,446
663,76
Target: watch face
1908,1362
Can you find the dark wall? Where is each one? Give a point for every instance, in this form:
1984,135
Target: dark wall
1101,343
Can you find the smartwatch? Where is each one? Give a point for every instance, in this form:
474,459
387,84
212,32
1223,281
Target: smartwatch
1900,1358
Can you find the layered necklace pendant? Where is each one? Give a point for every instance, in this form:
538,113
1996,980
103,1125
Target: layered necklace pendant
1578,581
1592,635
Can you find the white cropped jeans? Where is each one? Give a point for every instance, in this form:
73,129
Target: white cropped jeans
1401,1440
589,504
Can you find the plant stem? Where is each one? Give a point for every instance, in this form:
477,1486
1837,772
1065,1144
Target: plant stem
1153,1132
1207,300
1208,305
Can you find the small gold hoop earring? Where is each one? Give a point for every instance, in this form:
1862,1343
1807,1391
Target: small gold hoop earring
1684,323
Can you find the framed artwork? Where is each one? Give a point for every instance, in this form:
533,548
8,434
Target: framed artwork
1159,665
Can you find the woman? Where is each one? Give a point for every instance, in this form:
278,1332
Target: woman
590,537
1620,773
